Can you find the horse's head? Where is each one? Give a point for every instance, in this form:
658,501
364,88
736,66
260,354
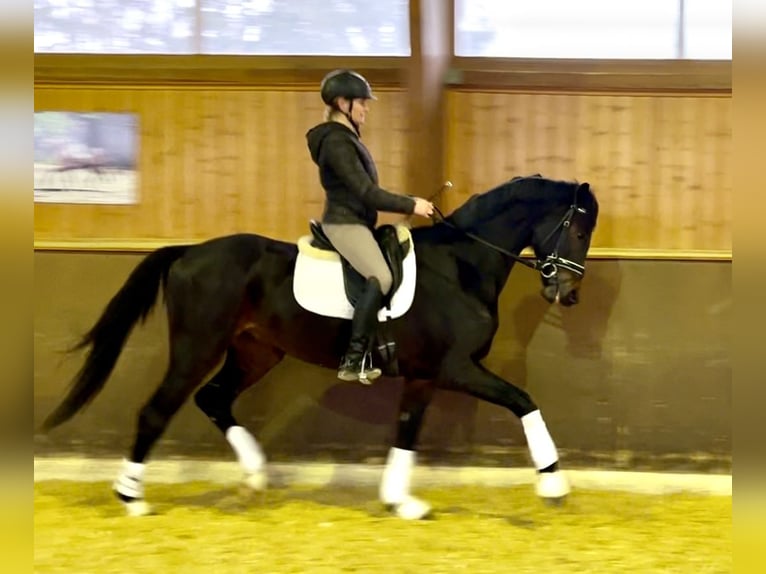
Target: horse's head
556,218
560,240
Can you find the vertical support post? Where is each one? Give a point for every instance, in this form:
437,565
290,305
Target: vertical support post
431,40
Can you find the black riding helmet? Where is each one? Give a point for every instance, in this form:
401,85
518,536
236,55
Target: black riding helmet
345,84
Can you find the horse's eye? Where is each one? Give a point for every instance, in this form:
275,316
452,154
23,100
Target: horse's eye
581,235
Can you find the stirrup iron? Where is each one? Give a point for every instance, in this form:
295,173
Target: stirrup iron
368,373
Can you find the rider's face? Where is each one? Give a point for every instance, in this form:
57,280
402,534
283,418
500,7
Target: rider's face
358,110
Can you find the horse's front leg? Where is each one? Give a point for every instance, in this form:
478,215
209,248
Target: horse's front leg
400,464
472,378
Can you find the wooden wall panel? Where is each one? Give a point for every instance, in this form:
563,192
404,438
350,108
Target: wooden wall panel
221,160
661,165
216,161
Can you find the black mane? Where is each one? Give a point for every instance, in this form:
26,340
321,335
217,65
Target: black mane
533,191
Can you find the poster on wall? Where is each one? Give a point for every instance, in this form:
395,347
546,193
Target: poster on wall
86,157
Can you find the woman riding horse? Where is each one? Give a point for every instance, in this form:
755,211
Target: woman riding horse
353,199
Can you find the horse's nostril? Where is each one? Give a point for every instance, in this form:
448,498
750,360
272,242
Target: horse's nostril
573,298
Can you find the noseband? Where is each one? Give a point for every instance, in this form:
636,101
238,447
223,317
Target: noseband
548,267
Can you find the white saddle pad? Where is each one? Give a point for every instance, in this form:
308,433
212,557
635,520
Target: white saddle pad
318,282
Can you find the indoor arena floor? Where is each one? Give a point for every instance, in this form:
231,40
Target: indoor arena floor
212,528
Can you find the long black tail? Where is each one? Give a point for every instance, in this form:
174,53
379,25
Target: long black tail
132,303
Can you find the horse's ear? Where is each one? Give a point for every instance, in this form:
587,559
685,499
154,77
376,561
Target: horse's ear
584,187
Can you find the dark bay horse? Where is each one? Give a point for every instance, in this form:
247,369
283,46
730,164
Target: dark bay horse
230,302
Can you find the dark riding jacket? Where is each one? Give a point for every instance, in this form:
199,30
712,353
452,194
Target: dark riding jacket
349,177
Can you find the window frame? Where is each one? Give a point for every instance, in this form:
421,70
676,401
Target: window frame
631,76
210,70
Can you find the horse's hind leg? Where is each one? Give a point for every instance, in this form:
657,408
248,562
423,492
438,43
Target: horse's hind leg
395,484
216,398
191,359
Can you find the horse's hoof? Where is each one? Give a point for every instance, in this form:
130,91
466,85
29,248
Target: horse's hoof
134,506
411,508
138,508
255,481
555,502
553,487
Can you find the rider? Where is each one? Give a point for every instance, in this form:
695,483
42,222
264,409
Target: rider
353,199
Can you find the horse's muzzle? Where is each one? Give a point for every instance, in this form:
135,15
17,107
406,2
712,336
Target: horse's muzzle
565,292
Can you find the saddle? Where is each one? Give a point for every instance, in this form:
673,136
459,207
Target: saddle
394,251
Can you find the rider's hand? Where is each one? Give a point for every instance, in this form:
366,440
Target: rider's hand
423,207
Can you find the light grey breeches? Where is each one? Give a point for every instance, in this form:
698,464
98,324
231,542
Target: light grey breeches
356,244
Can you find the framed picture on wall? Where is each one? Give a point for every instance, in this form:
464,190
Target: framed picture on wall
86,157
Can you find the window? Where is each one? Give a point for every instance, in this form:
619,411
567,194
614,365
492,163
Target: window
707,30
115,26
288,27
604,29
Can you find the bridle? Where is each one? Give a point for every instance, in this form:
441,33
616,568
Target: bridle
548,267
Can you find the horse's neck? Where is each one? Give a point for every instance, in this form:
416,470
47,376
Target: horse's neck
490,265
507,232
485,268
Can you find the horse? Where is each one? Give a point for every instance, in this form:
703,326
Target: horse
230,306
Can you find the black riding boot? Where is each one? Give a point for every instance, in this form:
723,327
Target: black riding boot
357,363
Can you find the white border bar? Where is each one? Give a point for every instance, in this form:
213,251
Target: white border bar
325,474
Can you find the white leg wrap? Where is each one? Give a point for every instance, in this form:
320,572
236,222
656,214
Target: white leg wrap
248,450
395,484
130,480
539,440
